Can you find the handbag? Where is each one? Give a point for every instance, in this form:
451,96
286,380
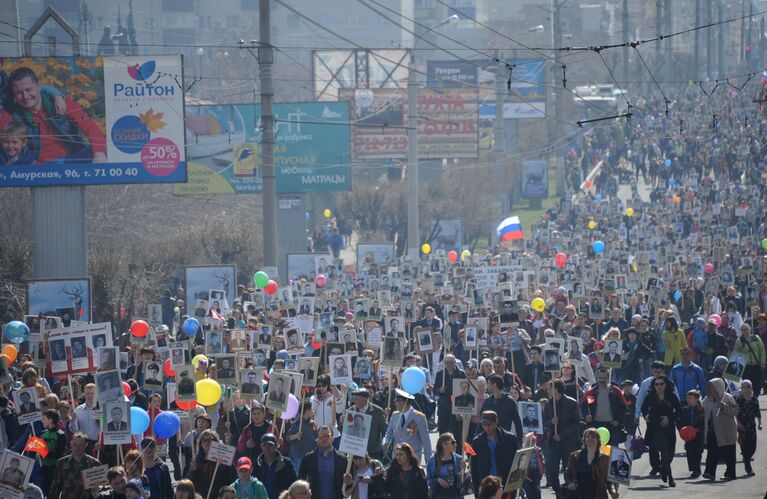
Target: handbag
638,445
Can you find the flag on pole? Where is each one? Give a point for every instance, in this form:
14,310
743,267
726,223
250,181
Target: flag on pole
510,229
468,449
215,315
36,444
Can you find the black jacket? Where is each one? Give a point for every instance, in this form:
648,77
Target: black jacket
444,404
286,473
568,427
507,411
309,471
505,449
159,477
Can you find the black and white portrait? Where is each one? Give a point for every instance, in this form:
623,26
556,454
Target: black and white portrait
108,386
340,369
117,417
15,470
107,358
530,412
251,387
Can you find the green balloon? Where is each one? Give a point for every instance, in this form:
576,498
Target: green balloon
764,243
604,435
261,279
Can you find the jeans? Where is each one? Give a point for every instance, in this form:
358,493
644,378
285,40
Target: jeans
556,455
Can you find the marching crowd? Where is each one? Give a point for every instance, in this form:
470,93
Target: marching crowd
610,316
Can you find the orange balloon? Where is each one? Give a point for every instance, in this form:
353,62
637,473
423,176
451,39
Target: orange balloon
11,352
677,199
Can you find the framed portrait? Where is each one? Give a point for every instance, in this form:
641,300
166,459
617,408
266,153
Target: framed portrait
340,369
108,386
374,254
424,339
214,343
551,360
153,376
118,423
574,355
620,466
106,358
27,405
186,388
251,384
226,369
309,368
294,341
15,471
177,357
356,433
464,397
612,355
279,389
335,348
260,357
363,368
532,419
518,469
394,326
392,351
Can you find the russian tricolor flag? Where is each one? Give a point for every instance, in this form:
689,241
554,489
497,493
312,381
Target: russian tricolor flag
510,229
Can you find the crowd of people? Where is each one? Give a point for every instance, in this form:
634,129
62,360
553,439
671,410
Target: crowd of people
535,366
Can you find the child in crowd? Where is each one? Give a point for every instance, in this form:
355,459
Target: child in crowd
693,415
631,400
749,419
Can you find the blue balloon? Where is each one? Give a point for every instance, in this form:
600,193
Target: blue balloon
671,182
413,380
191,326
667,163
241,324
598,247
139,421
16,332
598,198
282,354
166,424
677,295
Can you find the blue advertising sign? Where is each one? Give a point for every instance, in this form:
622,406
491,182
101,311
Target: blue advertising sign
528,79
87,120
311,152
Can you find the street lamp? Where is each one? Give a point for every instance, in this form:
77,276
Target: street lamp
200,53
413,209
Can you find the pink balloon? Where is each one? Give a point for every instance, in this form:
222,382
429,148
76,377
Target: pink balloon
716,318
708,268
292,409
321,281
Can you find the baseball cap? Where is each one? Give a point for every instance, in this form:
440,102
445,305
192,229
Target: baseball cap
245,462
269,438
362,392
488,417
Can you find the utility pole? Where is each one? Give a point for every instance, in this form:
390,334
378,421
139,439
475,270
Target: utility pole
413,201
720,69
696,50
269,198
658,30
560,160
742,54
499,139
709,40
626,37
669,28
749,40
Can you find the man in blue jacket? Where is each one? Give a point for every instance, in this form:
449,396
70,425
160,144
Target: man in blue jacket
495,448
687,375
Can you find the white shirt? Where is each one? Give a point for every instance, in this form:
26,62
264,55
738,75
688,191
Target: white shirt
86,421
323,412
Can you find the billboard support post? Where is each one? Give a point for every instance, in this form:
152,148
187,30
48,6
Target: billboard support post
413,215
269,206
499,144
58,220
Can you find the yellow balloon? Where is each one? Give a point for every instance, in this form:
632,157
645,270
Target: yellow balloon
606,449
592,225
208,392
327,213
465,254
629,212
539,305
425,248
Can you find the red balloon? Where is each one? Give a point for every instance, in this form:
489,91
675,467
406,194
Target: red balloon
560,259
708,268
126,389
321,281
587,184
139,328
452,256
271,287
688,433
168,369
185,405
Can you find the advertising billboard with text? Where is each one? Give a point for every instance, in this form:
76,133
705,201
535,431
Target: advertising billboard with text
223,146
92,120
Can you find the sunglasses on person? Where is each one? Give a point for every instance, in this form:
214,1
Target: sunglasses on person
660,384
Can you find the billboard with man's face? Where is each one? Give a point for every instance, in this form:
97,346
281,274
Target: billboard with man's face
91,120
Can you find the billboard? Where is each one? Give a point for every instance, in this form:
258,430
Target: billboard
223,147
447,123
535,179
380,122
451,74
87,120
69,299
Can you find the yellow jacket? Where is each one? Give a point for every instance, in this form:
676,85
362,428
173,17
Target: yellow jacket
674,341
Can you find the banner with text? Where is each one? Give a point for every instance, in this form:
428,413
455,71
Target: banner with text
311,151
89,120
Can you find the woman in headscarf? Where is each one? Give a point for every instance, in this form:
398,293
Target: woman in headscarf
721,428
